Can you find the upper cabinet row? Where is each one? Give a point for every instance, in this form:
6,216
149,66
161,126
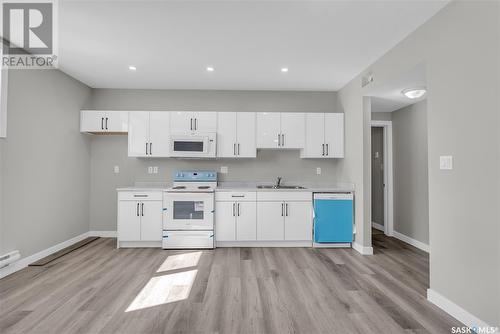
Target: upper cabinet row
239,134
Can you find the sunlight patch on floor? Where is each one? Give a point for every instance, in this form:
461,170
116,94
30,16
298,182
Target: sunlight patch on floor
164,289
180,261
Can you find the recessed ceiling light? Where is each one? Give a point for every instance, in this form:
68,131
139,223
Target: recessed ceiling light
284,69
414,93
132,68
210,69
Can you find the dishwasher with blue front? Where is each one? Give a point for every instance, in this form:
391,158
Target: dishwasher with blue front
333,219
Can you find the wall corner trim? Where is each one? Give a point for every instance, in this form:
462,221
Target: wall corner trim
420,245
455,310
103,234
362,249
24,262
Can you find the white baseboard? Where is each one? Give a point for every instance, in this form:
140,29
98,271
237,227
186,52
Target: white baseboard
103,234
362,249
456,311
378,227
413,242
263,243
24,262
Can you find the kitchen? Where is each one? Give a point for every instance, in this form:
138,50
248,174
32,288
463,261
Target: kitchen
207,167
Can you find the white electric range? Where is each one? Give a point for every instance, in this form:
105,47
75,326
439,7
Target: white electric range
188,210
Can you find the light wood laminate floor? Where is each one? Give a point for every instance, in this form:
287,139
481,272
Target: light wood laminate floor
101,289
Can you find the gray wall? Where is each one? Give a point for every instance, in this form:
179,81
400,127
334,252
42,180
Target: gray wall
378,175
44,166
381,116
411,190
463,121
108,151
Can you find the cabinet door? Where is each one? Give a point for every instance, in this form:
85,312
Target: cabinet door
138,133
159,134
181,121
205,121
246,221
268,129
151,220
226,134
129,221
270,221
92,121
116,121
225,221
298,221
315,135
334,135
246,143
292,130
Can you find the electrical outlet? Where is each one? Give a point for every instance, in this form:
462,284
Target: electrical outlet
155,170
318,171
117,169
446,162
224,169
150,170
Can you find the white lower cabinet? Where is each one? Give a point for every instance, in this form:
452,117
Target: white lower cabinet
298,221
139,218
270,221
235,220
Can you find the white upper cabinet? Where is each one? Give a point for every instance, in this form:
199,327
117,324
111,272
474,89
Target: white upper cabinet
202,121
280,130
324,136
236,135
149,134
96,121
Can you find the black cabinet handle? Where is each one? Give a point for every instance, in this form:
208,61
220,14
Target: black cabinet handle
286,209
282,209
191,128
238,148
323,147
234,214
146,148
150,148
196,124
106,123
102,123
282,139
142,209
239,211
137,209
327,150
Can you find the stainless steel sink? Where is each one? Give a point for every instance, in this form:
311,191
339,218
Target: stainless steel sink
280,187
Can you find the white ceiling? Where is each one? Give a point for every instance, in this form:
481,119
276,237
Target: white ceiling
388,97
323,43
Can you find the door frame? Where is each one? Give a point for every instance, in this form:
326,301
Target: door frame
388,176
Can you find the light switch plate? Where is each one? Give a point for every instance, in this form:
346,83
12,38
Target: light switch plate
224,169
155,170
117,169
446,162
318,170
150,170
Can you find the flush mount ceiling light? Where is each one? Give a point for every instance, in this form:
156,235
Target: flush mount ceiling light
284,69
414,93
132,68
210,69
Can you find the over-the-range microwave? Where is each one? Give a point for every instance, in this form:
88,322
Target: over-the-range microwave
193,145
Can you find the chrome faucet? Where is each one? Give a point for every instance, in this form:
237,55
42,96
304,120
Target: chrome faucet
278,182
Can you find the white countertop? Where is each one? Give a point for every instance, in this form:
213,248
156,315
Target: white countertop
248,186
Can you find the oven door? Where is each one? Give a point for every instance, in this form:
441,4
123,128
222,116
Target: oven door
192,146
188,211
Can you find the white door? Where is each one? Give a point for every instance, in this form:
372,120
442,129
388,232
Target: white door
151,220
138,134
205,121
268,129
159,134
226,134
92,121
129,221
298,221
334,135
225,221
270,221
315,135
116,121
292,130
181,121
246,143
246,221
